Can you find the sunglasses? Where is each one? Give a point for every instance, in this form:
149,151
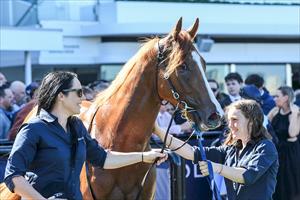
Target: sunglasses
79,91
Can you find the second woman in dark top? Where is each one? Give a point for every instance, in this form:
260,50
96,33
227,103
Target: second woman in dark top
248,160
285,119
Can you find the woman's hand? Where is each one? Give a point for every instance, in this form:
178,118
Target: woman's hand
217,168
150,156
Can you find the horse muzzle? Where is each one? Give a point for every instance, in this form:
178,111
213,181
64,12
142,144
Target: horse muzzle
213,121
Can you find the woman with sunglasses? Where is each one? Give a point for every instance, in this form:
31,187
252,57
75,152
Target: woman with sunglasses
55,144
248,159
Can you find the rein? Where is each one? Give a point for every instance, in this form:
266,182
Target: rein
186,109
176,96
210,178
87,166
154,163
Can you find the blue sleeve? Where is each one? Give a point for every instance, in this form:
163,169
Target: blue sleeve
21,155
264,156
215,154
95,154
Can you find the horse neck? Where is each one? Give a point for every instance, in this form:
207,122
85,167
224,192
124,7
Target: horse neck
133,109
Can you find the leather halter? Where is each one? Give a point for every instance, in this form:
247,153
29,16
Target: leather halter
175,94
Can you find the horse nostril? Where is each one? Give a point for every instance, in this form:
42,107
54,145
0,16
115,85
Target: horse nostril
214,117
215,120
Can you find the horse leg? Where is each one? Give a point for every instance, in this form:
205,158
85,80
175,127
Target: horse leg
84,185
149,187
6,194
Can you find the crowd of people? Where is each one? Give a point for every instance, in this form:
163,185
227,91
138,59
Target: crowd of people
17,100
258,126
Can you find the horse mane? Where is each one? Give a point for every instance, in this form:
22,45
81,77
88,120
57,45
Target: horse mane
176,57
147,46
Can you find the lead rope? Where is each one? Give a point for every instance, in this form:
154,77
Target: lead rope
215,192
154,163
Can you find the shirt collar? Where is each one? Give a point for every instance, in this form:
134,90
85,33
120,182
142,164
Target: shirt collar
234,98
48,117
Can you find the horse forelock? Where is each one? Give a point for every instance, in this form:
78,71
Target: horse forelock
179,51
145,54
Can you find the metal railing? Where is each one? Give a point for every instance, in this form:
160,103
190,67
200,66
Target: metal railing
258,2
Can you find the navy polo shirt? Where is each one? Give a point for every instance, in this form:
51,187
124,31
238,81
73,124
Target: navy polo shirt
261,163
44,148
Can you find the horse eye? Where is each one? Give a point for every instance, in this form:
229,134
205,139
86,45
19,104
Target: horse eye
184,67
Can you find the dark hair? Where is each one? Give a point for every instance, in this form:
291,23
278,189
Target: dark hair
2,90
234,76
214,81
287,91
255,79
253,112
52,84
31,88
251,92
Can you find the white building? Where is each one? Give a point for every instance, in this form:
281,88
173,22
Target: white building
94,38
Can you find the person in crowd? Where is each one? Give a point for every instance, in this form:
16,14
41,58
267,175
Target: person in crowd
285,119
248,159
164,117
2,79
252,92
88,93
99,86
234,82
267,100
54,145
31,92
220,96
18,89
6,103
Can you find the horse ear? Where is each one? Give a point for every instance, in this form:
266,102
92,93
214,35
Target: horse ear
177,29
193,29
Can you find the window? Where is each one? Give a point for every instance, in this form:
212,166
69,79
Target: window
217,72
273,74
109,72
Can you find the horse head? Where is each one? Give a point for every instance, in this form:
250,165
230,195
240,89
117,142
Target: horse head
182,79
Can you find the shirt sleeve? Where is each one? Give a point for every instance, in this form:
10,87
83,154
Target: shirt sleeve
22,154
263,157
215,154
175,129
95,154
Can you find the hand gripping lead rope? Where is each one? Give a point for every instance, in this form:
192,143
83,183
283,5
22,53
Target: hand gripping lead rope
215,192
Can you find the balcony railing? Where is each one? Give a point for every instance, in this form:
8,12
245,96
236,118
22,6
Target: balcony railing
252,2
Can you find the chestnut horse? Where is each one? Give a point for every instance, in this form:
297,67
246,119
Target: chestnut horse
121,118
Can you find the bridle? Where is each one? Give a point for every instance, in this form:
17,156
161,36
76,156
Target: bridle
176,96
180,103
186,109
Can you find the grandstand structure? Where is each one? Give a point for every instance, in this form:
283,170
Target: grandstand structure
94,38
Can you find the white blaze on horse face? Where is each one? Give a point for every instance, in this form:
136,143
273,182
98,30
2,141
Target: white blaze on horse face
196,58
